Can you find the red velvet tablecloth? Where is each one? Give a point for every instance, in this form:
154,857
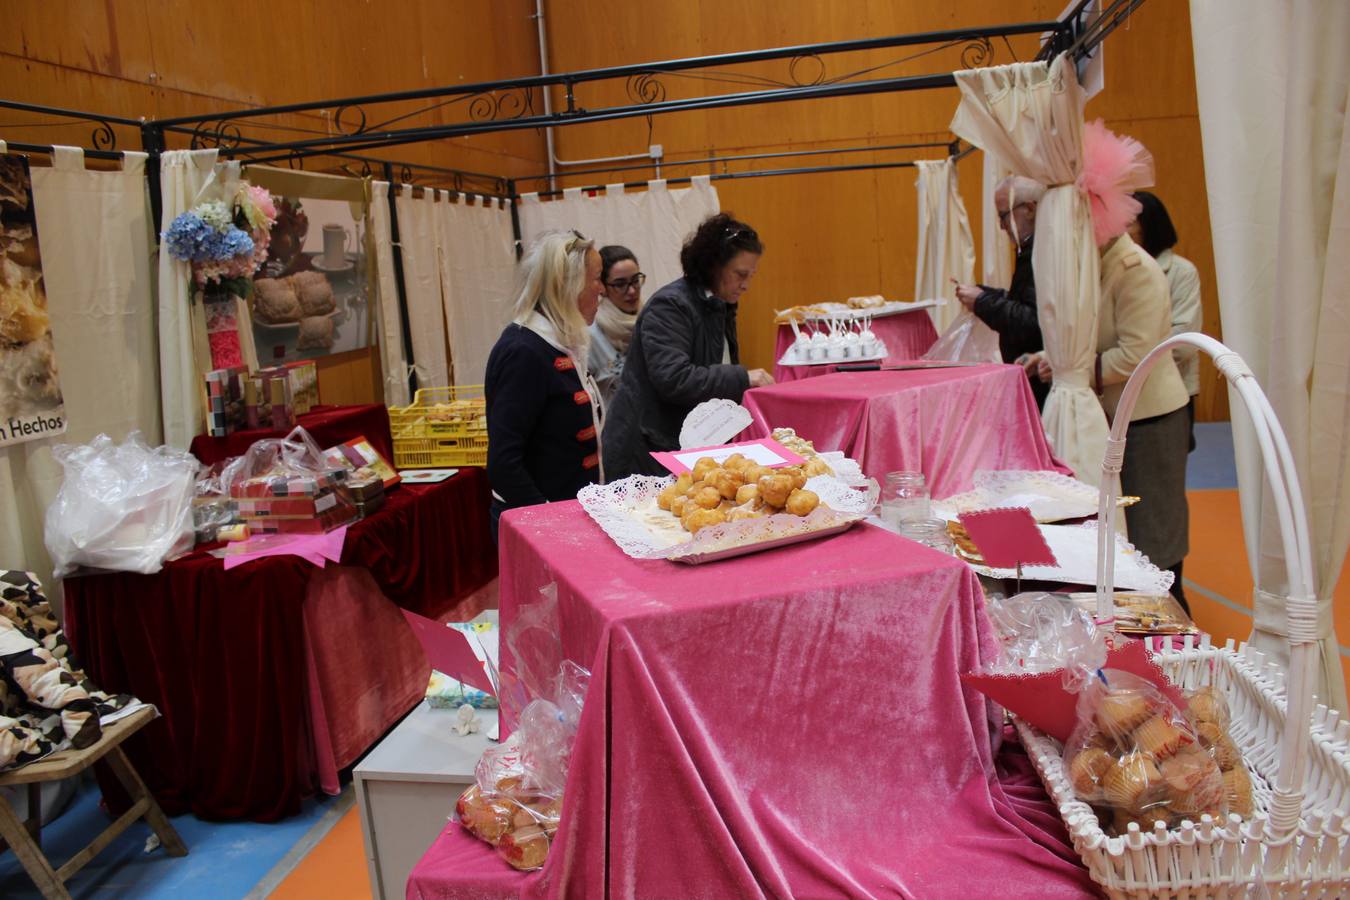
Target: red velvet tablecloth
237,661
786,724
329,425
907,335
947,423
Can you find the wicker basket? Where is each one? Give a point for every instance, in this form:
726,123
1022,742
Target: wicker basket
1297,842
443,426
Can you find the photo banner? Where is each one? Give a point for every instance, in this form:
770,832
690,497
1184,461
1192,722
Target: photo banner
31,405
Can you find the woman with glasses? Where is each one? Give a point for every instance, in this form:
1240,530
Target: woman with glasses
612,329
684,348
543,412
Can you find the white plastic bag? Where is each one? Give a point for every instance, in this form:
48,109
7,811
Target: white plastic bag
124,507
967,339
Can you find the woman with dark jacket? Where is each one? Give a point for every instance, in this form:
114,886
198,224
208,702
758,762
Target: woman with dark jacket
542,405
684,349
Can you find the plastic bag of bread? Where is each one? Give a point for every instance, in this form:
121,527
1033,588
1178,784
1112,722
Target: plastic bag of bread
1209,711
515,803
314,292
1136,758
274,301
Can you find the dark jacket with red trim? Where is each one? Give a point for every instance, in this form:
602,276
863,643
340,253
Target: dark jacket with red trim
674,363
541,437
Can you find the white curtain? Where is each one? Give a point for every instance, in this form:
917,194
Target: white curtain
389,326
996,250
478,270
419,237
946,248
1276,128
652,223
185,176
95,236
1031,116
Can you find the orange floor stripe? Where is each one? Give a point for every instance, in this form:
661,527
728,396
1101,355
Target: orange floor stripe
1218,563
334,870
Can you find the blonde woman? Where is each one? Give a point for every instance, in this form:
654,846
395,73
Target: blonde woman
542,405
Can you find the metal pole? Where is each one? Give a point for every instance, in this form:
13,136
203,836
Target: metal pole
397,255
152,142
515,218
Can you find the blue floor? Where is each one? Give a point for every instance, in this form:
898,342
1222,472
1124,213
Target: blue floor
225,859
1210,465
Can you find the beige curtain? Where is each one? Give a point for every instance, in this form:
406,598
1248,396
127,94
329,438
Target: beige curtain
1031,116
419,237
946,248
388,324
185,177
1276,129
996,250
95,234
478,270
652,223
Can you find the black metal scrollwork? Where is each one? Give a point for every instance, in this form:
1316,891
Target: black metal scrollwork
491,107
345,112
800,66
977,53
103,137
405,174
224,135
645,88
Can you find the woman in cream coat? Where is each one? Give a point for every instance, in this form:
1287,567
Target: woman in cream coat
1134,317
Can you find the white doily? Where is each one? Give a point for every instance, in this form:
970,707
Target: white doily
1075,548
1051,496
627,511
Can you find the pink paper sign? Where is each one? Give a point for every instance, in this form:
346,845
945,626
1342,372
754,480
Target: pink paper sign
1008,537
766,452
448,651
1041,699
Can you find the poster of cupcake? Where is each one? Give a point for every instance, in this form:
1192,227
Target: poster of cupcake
31,406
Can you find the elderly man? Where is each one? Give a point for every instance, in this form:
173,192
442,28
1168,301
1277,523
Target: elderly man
1012,313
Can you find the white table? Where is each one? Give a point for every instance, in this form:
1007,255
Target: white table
406,789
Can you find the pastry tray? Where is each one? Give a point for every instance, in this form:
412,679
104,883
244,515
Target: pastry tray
790,358
698,557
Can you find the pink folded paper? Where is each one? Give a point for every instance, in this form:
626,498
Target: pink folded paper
765,451
448,651
320,549
1041,699
1008,537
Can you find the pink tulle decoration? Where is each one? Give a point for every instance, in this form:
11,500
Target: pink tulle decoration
1113,166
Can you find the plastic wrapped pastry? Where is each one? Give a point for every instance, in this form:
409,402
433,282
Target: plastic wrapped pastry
1138,759
274,301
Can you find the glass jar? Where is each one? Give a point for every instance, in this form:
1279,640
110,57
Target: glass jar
904,497
929,532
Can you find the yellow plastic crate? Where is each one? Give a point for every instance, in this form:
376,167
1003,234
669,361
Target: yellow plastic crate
443,426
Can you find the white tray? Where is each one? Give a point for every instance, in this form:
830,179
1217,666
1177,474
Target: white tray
891,308
1075,547
698,557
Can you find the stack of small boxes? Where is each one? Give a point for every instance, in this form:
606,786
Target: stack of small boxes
310,503
226,410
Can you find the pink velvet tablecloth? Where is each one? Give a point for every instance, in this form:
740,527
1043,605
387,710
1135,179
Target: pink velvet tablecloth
787,724
907,336
947,423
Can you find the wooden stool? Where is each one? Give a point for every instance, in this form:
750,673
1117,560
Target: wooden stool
24,837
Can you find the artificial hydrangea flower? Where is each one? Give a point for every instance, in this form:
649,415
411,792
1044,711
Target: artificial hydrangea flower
216,214
187,236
